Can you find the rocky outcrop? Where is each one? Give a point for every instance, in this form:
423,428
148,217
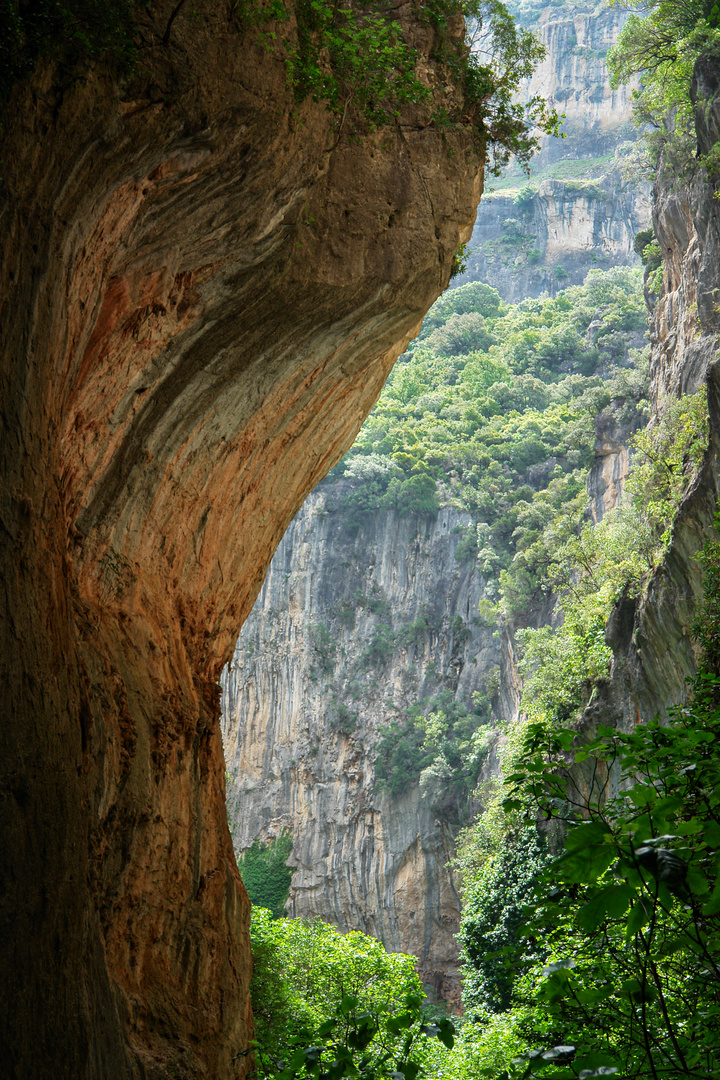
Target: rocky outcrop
606,480
350,632
654,651
545,237
203,291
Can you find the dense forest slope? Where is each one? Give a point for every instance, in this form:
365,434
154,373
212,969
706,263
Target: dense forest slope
204,285
394,595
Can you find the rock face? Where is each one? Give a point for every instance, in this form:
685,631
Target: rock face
301,732
203,291
578,210
574,78
542,238
308,694
654,653
606,480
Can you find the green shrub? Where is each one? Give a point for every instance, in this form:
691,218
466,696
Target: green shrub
380,647
265,874
322,999
493,905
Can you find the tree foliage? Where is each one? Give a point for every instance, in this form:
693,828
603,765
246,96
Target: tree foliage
265,873
659,43
332,1005
629,913
496,404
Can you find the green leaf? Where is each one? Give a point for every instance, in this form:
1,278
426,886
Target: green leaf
611,902
696,881
712,906
639,916
583,836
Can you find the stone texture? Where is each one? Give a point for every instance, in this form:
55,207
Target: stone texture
203,291
606,481
543,238
654,652
567,229
363,859
574,78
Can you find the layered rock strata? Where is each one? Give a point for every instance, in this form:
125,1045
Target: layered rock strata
309,694
581,206
203,291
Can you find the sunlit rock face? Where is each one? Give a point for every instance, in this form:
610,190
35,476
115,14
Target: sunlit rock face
308,694
530,242
582,204
203,292
574,78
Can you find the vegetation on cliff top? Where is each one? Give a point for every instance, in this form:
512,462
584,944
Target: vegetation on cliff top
353,57
493,407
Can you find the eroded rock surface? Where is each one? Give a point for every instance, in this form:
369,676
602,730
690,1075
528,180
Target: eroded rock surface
351,630
203,291
654,652
581,206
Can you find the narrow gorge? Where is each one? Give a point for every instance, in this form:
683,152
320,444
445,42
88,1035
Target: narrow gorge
365,618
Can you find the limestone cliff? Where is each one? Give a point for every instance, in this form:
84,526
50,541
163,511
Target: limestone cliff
351,630
202,292
578,209
654,654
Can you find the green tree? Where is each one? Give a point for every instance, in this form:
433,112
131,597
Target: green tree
265,873
326,1002
493,904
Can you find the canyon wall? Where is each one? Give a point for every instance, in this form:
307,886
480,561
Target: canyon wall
203,289
302,729
654,652
582,202
352,629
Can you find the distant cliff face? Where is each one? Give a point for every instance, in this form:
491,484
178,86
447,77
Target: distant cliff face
542,238
574,78
203,289
578,210
350,632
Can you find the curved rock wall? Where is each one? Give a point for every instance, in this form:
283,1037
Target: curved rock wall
202,293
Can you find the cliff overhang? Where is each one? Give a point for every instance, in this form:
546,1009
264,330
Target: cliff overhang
203,292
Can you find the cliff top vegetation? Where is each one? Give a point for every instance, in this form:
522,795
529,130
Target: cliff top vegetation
355,58
493,407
